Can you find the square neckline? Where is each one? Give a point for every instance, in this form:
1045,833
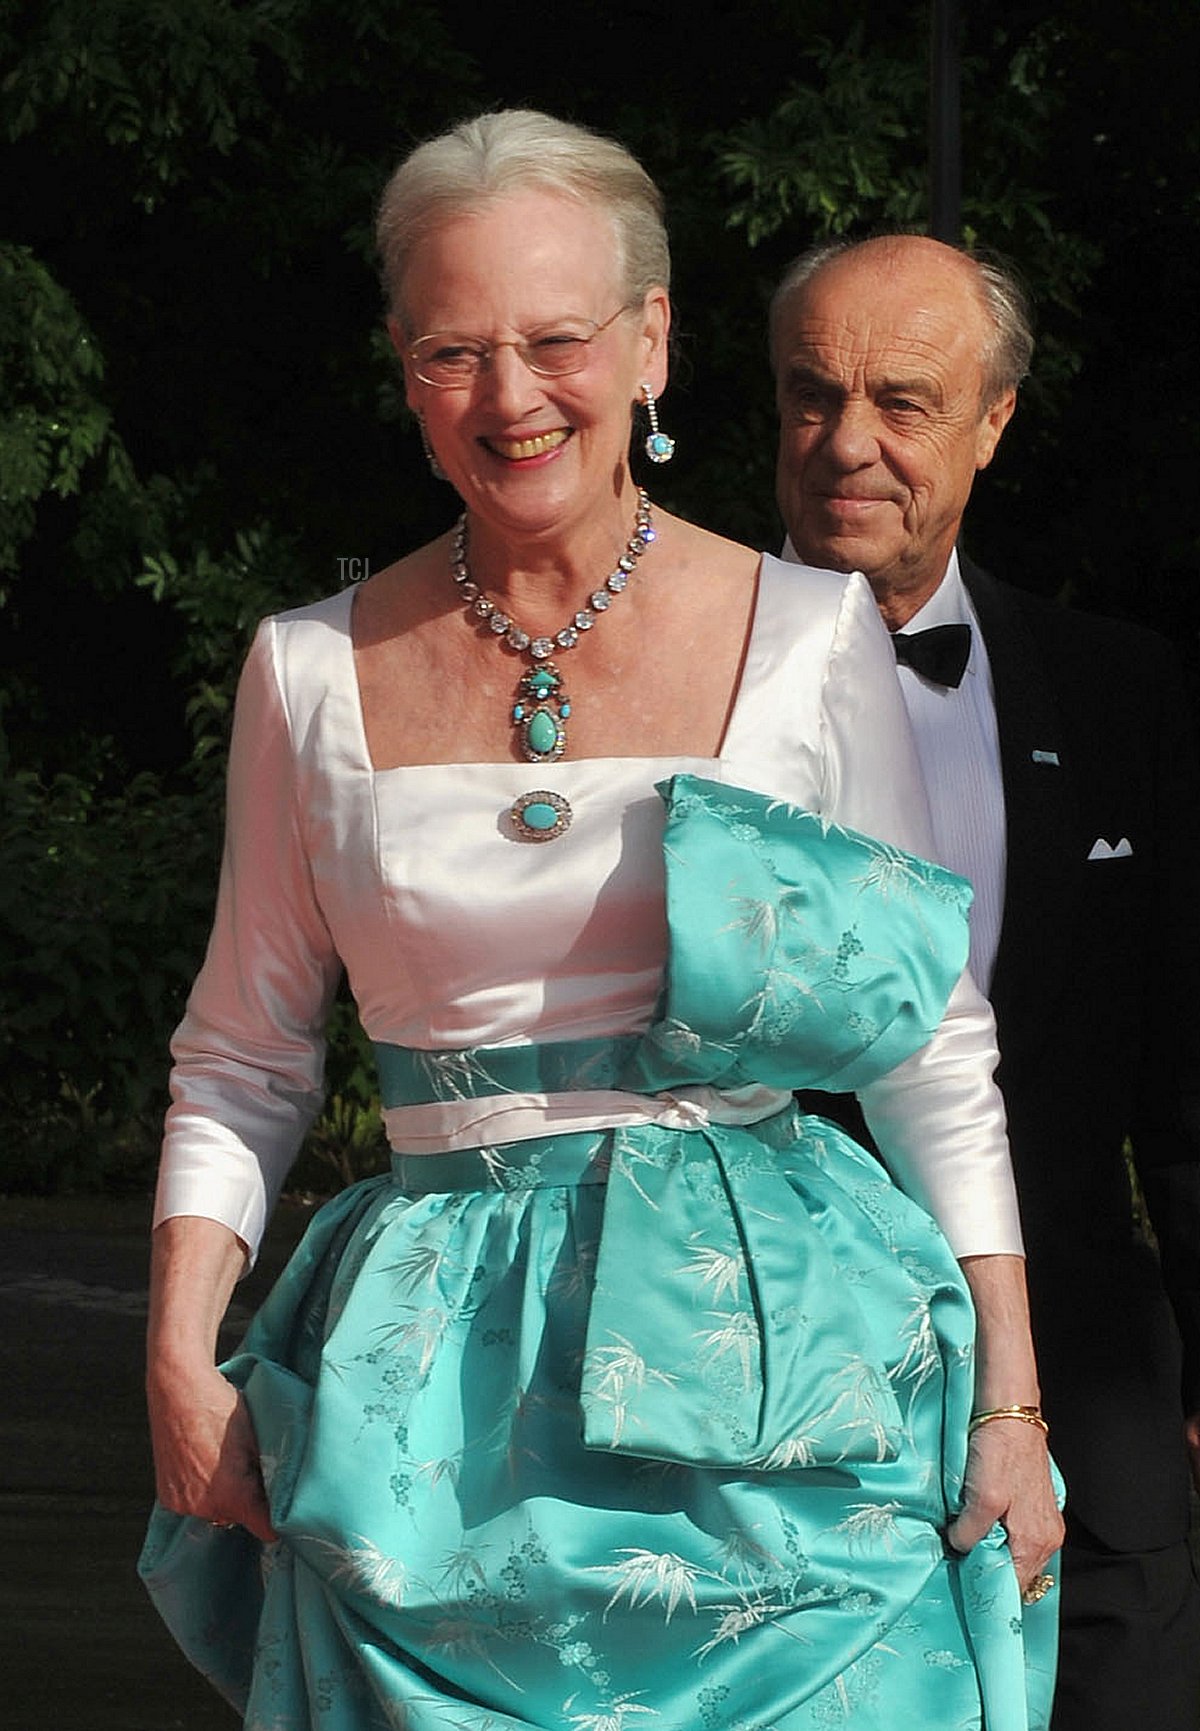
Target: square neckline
350,671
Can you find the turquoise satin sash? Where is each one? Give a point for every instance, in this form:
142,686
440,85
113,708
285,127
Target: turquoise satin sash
411,1077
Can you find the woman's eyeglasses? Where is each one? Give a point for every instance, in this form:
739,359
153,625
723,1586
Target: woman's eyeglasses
450,361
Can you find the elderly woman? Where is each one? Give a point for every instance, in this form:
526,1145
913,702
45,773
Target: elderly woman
629,1393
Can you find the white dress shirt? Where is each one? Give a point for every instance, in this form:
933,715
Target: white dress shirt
958,744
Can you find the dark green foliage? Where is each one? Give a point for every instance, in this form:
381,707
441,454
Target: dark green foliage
105,897
57,420
199,417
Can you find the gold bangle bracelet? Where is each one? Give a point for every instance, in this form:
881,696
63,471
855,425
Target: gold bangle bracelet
1024,1414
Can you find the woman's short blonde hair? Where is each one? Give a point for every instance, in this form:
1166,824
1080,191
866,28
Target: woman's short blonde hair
465,169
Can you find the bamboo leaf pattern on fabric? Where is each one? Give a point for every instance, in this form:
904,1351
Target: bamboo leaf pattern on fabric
652,1425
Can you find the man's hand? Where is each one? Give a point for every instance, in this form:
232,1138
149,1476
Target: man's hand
1191,1432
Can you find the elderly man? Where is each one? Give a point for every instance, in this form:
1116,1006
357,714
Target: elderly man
1057,752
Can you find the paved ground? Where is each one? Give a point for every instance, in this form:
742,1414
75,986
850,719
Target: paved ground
80,1647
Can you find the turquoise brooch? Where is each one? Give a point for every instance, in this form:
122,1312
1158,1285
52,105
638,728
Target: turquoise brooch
540,815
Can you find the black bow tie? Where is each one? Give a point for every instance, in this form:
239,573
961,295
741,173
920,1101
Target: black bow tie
939,654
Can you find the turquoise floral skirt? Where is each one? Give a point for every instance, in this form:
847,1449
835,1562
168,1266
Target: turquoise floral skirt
480,1456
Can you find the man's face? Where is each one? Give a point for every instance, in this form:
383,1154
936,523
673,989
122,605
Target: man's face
879,386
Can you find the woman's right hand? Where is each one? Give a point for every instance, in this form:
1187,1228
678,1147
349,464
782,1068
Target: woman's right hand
206,1459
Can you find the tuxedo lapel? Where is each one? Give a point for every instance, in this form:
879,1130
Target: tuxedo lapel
1039,800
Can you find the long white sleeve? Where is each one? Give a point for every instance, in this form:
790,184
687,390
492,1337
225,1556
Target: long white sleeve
249,1053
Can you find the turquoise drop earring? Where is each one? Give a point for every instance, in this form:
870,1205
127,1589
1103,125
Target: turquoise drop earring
660,447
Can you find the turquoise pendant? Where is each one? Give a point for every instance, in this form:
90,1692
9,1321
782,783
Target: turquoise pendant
540,815
540,713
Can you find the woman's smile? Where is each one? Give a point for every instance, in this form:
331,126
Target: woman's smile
529,447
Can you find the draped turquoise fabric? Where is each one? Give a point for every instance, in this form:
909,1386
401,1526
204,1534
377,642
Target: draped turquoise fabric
658,1426
801,954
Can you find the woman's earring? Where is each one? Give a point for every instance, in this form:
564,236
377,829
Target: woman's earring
435,468
660,448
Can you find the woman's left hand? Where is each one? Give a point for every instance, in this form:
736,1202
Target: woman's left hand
1008,1480
1008,1461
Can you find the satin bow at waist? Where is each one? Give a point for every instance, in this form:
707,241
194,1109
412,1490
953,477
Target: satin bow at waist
719,1332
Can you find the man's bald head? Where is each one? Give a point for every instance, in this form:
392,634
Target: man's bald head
1009,345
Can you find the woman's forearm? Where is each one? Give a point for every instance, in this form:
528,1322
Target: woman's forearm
195,1264
1005,1365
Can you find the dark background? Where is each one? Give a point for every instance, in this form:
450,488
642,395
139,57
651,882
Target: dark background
199,420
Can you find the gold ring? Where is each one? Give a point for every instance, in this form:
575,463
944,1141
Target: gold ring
1037,1589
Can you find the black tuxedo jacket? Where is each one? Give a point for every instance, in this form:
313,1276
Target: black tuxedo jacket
1097,997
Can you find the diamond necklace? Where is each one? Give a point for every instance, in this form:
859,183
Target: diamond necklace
541,708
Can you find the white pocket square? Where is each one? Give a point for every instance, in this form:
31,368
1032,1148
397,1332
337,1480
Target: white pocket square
1102,849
